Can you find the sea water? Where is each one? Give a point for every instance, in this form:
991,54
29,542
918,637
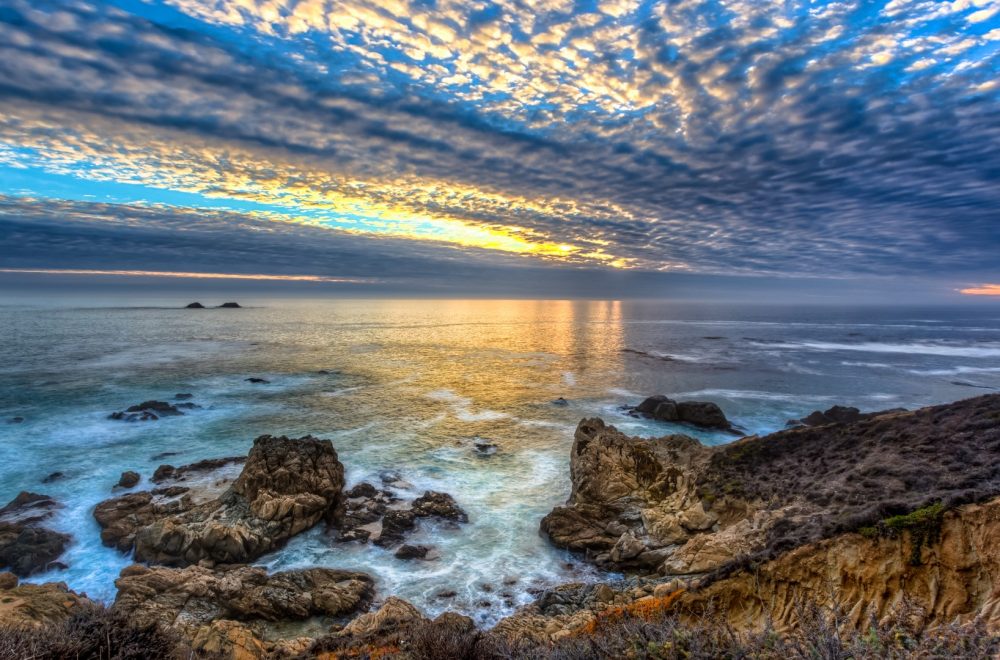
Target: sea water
412,386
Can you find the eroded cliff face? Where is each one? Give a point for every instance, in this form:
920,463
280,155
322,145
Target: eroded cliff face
957,579
671,506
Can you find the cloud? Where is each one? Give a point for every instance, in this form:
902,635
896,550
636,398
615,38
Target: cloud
694,136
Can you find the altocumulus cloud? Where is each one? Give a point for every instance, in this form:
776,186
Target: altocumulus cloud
700,136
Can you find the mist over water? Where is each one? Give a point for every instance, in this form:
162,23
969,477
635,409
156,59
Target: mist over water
412,386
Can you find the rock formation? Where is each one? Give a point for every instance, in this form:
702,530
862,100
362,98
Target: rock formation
146,411
674,507
229,305
194,305
376,515
697,413
26,546
286,487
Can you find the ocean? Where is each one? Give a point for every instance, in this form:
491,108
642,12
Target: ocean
413,386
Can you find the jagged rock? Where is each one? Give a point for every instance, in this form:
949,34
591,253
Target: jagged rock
170,473
194,596
128,479
286,486
485,448
395,525
194,305
407,551
26,546
440,505
121,517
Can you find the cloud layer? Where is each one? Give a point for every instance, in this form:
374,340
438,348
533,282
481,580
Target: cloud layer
702,136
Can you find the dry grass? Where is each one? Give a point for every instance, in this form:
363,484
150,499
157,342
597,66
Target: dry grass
92,633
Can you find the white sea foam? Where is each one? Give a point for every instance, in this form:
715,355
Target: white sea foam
916,348
954,371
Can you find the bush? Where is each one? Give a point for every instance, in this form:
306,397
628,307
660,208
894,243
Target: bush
92,633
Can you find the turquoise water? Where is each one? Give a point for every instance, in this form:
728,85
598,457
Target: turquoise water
413,385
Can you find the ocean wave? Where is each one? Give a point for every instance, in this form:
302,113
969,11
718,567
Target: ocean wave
954,371
915,348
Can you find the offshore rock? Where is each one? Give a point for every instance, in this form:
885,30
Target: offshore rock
26,546
698,413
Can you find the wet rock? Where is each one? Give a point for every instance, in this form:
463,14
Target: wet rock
395,525
560,402
699,413
446,593
128,479
183,396
407,551
286,487
229,305
54,476
485,448
169,472
254,379
163,454
26,546
146,411
15,420
440,505
194,305
363,489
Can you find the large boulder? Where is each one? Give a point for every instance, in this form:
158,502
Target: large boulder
697,413
26,545
631,499
286,487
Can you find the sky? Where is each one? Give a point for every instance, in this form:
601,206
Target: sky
628,148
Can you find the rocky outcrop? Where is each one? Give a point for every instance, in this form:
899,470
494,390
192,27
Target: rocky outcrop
839,415
377,515
26,545
194,596
146,411
229,305
286,487
674,507
36,604
704,414
180,489
194,305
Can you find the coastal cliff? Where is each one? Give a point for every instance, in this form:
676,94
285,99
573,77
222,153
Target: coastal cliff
671,506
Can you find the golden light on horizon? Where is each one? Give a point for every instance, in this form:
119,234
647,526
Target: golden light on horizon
982,290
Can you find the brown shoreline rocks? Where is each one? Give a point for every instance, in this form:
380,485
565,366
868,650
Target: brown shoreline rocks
704,414
672,506
26,545
286,487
